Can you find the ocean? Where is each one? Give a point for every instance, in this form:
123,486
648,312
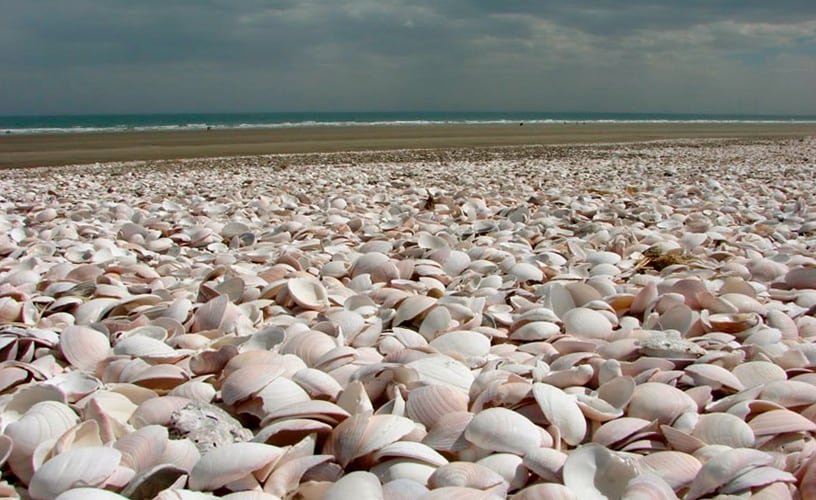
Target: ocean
51,124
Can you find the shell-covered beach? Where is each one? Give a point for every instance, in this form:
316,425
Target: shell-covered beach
588,321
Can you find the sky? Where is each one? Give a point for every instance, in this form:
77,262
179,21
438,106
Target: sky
659,56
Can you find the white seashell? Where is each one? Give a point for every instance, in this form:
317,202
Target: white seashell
223,465
676,468
725,429
509,467
757,477
586,324
503,430
143,448
403,489
462,343
661,402
467,475
548,491
432,403
90,466
357,484
562,411
546,463
753,373
724,467
363,433
647,486
308,293
86,493
779,421
595,472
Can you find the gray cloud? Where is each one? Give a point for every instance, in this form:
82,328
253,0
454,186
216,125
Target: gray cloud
219,55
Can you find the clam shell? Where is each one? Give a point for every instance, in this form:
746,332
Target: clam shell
676,468
503,430
562,411
84,347
725,429
592,471
779,421
467,475
360,484
661,402
724,467
223,465
89,466
308,293
430,404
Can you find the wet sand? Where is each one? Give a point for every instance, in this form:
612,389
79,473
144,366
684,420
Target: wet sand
66,149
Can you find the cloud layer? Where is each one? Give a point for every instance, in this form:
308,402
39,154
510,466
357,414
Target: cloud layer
269,55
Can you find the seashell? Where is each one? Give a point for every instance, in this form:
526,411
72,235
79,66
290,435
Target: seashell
289,472
755,478
562,411
676,468
545,491
779,421
592,471
509,467
467,475
156,411
526,272
143,448
586,324
801,278
724,467
753,373
716,377
363,433
150,483
316,409
318,384
614,431
410,450
180,453
732,322
725,429
412,307
42,422
789,393
432,403
403,489
462,343
223,465
85,493
88,466
655,401
360,484
546,463
448,434
248,381
308,293
503,430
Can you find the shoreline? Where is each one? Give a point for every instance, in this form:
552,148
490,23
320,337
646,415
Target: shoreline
83,148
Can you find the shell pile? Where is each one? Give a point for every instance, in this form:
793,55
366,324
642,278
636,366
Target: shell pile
617,321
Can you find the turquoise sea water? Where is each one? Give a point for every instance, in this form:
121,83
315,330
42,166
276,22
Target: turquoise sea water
190,121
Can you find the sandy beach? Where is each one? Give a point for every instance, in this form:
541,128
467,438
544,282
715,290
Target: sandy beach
64,149
496,321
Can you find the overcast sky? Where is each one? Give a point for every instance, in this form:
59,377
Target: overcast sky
113,56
